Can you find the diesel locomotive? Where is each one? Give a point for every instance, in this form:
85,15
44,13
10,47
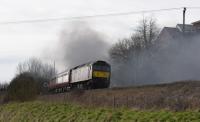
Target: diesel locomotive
92,75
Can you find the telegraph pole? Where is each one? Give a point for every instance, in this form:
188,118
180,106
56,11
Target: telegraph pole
54,67
184,10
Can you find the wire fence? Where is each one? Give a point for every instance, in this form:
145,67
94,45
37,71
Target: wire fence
159,101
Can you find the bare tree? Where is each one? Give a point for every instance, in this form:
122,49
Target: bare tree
131,56
40,71
147,31
3,86
143,38
120,51
37,68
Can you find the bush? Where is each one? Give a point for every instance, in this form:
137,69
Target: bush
22,88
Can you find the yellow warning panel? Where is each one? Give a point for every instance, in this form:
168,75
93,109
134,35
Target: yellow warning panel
101,74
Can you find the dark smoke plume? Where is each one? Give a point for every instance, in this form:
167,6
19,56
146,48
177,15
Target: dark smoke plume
79,44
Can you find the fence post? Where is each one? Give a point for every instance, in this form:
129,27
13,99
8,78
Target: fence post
114,101
132,101
65,98
91,100
127,101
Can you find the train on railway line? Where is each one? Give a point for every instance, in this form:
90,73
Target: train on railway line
92,75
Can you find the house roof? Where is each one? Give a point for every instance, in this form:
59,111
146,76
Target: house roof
176,32
169,33
173,32
188,27
196,22
173,35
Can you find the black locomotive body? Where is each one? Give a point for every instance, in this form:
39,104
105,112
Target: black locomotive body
91,75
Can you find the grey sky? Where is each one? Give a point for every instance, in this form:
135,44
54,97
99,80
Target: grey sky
21,41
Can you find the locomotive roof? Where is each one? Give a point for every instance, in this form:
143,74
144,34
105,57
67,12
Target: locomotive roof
89,63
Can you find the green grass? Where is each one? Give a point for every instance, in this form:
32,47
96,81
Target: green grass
58,112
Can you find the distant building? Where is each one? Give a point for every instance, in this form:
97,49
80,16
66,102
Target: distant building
173,35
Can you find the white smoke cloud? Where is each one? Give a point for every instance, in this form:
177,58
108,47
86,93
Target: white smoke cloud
178,61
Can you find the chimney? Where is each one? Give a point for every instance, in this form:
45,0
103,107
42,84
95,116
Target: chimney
184,9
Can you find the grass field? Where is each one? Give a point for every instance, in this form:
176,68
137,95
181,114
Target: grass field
55,112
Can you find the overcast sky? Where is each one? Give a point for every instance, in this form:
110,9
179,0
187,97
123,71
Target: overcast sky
21,41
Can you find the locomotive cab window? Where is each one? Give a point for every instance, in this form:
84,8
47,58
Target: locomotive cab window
101,68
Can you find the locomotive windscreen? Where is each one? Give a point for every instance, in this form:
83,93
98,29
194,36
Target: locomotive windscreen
101,68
